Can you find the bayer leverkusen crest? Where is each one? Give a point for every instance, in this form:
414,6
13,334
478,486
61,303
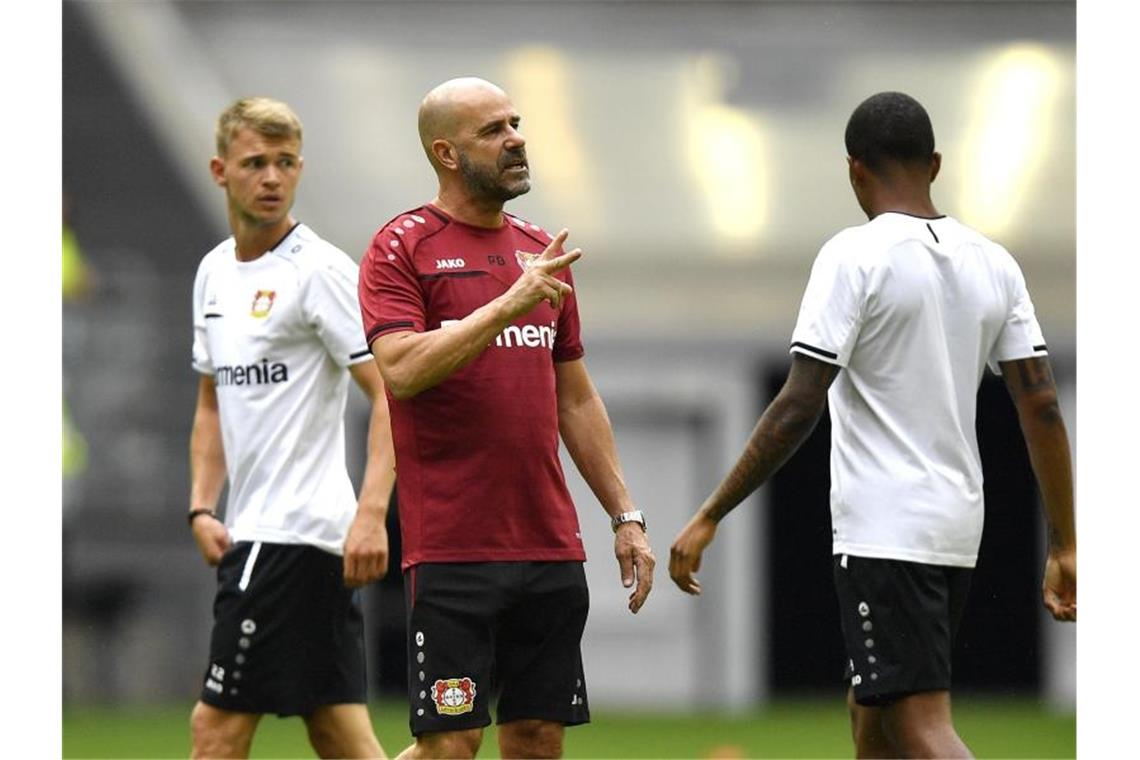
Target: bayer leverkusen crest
262,303
526,260
453,696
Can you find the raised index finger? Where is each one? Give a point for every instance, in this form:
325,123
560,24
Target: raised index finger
555,246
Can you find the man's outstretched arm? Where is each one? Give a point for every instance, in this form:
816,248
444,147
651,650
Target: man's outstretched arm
1034,393
782,429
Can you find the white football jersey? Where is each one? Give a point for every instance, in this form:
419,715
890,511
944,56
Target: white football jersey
278,333
913,309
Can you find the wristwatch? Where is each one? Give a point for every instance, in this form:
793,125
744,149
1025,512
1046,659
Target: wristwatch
627,517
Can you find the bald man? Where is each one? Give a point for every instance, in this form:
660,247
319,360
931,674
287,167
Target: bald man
472,318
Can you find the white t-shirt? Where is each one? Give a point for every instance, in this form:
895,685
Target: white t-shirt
913,309
278,333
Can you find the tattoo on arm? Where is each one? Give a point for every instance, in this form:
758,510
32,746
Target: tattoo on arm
1033,374
782,429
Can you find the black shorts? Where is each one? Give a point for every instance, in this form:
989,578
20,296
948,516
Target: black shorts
288,634
899,620
511,631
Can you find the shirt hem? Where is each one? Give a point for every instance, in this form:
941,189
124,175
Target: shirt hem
274,537
550,555
905,555
569,356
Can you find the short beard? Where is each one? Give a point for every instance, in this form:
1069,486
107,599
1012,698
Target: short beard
484,183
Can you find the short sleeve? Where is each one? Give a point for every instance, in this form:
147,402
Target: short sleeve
200,353
832,308
568,340
390,296
1020,336
329,304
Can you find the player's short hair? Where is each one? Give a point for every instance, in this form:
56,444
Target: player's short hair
266,116
889,126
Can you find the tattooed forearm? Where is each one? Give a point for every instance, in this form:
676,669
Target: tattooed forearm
780,432
782,429
1033,375
1034,394
1031,386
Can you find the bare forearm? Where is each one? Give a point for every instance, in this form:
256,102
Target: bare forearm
414,362
782,429
589,439
207,461
1048,444
1034,393
380,470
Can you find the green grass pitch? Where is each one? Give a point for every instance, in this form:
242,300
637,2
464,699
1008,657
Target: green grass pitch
789,728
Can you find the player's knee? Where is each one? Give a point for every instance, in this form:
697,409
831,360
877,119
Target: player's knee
918,740
343,731
324,740
213,735
854,714
461,745
531,739
920,725
867,732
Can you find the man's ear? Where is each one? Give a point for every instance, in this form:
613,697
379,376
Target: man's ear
218,171
935,165
445,154
856,172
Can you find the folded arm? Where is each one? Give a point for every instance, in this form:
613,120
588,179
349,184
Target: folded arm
412,362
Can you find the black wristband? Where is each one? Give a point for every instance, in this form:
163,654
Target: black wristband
196,513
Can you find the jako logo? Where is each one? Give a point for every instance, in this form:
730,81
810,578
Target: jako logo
252,374
450,263
526,336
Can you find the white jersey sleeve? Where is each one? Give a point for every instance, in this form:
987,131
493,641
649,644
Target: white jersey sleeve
1020,336
831,312
200,357
329,303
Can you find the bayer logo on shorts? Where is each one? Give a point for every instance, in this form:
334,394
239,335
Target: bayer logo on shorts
453,696
248,627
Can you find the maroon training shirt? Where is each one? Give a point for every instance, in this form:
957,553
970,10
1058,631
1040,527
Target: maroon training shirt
477,455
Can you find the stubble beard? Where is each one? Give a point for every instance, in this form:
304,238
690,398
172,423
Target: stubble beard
488,183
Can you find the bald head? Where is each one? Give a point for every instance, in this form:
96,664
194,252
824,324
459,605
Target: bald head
470,131
446,109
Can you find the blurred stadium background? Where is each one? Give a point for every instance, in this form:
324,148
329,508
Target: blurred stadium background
694,149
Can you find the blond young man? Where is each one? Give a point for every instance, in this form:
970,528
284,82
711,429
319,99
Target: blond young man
277,333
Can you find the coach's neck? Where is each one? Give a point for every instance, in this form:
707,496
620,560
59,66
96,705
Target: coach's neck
463,207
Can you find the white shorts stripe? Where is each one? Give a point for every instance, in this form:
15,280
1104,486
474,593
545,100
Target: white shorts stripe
247,571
